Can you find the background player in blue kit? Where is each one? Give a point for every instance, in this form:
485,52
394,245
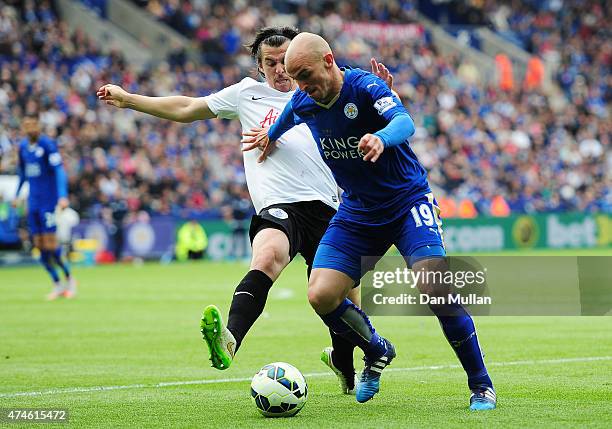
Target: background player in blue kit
40,164
362,131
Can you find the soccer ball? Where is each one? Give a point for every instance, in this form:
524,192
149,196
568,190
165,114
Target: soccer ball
279,390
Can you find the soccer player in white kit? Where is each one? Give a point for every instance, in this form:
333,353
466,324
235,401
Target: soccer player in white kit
293,192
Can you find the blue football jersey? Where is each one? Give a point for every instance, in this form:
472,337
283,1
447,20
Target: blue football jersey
374,193
40,164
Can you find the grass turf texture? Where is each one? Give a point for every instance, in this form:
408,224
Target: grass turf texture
139,326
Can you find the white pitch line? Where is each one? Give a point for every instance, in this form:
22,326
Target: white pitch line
308,375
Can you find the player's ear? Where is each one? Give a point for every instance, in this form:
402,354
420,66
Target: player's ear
328,59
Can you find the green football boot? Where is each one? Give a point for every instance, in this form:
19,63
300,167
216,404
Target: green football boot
221,343
347,381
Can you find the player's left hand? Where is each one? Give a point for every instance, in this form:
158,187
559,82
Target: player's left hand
258,138
372,146
380,70
62,203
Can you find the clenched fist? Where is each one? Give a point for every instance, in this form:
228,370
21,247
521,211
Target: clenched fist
372,147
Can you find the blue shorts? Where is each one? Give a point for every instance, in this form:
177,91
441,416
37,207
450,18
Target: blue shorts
41,220
417,235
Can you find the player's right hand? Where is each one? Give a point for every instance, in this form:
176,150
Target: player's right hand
15,203
113,95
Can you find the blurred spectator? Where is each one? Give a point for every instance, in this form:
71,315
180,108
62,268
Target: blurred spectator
191,241
499,207
534,76
114,213
504,71
238,215
467,209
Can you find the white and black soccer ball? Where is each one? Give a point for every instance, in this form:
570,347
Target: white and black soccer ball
279,390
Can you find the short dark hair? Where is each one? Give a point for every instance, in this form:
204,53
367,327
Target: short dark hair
271,36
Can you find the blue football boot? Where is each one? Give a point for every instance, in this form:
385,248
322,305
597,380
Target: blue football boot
483,398
369,383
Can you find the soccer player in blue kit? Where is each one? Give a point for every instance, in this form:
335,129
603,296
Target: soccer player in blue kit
362,130
40,164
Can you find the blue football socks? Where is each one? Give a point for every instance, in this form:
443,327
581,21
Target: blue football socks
460,332
46,261
57,254
353,324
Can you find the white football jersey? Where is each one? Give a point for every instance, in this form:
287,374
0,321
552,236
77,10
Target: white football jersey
293,172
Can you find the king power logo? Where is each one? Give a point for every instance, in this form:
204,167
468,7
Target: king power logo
269,119
340,148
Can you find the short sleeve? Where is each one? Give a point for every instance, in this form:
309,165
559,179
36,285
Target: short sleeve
224,103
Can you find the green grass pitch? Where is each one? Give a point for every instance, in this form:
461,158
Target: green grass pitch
127,353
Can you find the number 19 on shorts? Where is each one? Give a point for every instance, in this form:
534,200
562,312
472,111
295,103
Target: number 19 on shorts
424,215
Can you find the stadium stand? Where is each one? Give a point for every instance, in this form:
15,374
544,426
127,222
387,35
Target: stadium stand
499,150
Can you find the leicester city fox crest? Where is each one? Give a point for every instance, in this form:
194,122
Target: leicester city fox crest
350,110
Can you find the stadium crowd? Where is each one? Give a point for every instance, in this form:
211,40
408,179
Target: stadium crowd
488,151
574,37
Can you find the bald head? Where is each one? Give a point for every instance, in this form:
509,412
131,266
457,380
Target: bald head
310,61
307,46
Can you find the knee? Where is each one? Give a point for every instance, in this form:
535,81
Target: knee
432,281
270,261
316,298
430,289
321,300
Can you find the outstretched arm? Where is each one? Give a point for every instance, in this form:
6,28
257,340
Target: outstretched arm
177,108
